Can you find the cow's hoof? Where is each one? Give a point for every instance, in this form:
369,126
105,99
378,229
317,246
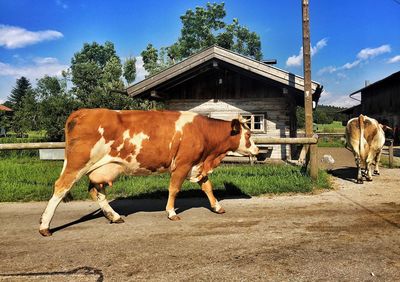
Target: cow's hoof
360,181
369,179
376,172
220,211
174,218
119,220
45,232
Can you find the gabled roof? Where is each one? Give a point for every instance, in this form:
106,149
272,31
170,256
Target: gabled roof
4,108
217,53
393,76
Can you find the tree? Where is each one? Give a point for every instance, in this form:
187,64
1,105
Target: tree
95,71
150,59
55,104
21,89
130,69
202,28
26,116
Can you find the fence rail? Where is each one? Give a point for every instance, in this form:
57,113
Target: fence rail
61,145
257,140
24,146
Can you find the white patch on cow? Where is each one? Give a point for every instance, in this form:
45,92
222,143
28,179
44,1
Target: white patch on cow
132,167
195,173
49,211
125,136
184,118
106,208
171,213
64,166
217,206
242,149
100,149
101,130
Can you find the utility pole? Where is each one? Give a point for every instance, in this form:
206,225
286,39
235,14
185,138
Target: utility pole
312,151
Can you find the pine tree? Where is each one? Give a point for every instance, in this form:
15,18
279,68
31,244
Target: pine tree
21,89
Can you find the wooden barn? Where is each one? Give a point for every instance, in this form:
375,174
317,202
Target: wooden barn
222,84
380,100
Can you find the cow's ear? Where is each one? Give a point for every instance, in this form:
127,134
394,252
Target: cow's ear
235,124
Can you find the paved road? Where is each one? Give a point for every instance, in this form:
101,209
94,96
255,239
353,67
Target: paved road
349,234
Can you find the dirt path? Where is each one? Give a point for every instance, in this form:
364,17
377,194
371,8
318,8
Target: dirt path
349,234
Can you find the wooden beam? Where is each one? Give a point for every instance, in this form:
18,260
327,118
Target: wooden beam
278,140
24,146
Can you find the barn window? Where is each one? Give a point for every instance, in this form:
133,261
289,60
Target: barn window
255,122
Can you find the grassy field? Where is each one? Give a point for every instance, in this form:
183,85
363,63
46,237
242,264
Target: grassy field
29,179
334,127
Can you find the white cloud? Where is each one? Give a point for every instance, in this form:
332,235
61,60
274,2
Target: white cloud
328,98
62,4
296,60
348,66
329,69
395,59
12,37
367,53
140,71
362,56
39,68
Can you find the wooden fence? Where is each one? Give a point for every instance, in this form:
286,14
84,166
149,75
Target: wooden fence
257,140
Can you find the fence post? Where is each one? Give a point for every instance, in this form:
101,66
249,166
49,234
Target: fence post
314,161
391,154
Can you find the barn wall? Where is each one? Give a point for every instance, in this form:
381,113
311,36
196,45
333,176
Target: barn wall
276,115
383,102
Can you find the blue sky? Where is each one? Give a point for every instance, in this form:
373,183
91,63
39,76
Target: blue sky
352,41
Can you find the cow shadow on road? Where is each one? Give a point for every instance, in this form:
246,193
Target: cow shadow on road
156,202
345,173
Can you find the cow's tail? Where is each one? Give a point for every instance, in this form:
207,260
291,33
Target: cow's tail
361,144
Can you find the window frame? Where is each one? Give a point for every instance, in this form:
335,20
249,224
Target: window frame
253,122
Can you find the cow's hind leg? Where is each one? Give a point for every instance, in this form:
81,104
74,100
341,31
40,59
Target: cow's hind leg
61,188
98,194
206,186
359,171
377,160
177,178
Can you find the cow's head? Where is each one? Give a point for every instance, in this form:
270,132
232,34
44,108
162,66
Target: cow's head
246,144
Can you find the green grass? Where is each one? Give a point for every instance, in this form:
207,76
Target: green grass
334,127
385,161
331,142
29,179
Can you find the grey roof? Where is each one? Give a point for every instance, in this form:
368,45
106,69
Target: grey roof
216,52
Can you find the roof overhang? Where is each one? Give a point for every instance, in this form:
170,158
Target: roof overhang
216,53
4,108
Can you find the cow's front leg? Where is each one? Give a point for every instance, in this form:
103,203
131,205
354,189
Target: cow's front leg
206,186
175,183
98,194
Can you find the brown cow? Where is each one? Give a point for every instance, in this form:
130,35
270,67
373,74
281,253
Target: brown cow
365,137
104,143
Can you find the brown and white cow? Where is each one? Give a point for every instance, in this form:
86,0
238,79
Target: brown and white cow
365,137
104,143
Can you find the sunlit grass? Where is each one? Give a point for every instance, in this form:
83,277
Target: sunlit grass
30,179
